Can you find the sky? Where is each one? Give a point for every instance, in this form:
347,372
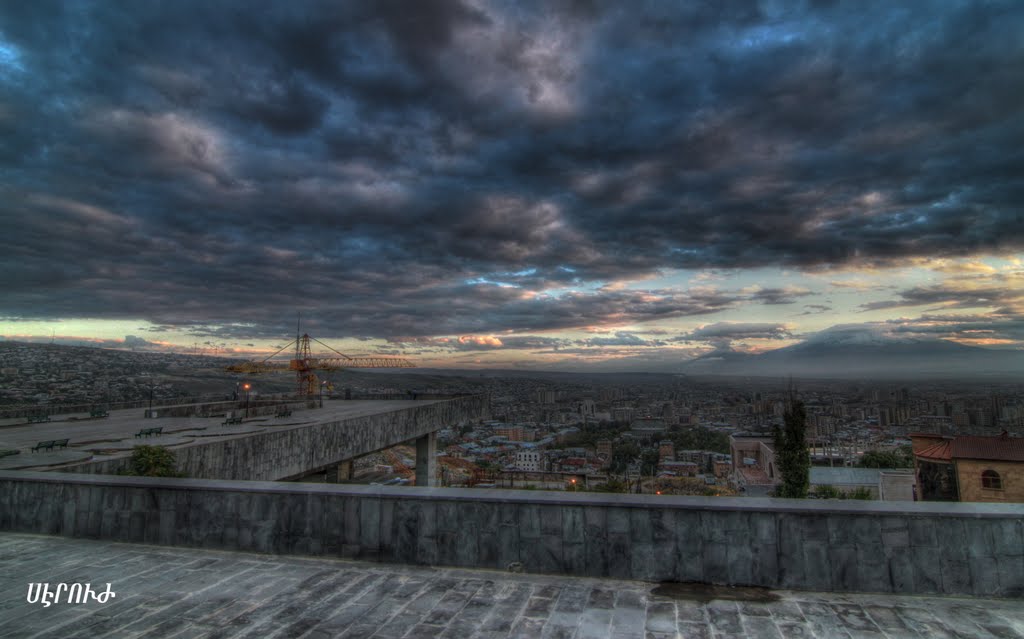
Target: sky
556,185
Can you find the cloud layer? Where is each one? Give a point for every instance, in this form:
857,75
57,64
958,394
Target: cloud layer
414,170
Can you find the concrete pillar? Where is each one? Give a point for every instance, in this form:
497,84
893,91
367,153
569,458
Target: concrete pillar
346,470
426,450
341,473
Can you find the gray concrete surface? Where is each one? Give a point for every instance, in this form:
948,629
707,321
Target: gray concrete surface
179,593
122,425
845,546
43,459
261,448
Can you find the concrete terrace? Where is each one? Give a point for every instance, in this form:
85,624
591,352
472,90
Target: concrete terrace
105,436
179,592
262,447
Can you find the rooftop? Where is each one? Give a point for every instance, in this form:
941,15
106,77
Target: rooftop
851,475
998,447
165,592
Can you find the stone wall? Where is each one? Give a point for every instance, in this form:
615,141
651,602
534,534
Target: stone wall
1011,475
293,452
917,548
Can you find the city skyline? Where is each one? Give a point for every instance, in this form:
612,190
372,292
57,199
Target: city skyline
571,186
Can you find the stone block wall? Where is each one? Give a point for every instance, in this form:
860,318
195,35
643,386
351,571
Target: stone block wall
919,548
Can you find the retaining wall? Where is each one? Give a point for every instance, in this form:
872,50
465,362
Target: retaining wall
917,548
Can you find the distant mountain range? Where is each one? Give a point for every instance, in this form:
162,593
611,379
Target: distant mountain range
864,353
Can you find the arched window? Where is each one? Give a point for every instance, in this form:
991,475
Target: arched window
991,479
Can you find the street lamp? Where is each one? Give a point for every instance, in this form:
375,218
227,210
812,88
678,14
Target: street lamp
246,387
322,384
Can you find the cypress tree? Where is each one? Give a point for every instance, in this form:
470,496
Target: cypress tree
791,455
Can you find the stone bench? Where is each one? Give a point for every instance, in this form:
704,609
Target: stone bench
51,444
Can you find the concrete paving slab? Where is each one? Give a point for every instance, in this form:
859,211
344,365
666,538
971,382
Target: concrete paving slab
203,593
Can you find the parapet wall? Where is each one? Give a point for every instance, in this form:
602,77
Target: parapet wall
292,452
919,548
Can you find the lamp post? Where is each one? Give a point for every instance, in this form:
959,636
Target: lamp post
322,384
246,387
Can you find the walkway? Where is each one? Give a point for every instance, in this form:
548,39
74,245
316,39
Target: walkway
181,592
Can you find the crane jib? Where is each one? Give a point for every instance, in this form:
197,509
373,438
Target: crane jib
305,365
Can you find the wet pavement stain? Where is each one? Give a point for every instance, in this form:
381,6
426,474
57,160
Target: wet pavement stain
704,593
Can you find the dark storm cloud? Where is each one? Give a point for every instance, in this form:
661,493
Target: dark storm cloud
379,164
787,295
815,309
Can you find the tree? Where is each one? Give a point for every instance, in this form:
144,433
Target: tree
700,438
649,462
486,465
152,461
623,454
791,456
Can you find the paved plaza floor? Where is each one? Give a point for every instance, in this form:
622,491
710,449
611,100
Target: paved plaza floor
181,592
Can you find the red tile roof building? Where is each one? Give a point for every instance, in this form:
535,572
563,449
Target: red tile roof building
969,467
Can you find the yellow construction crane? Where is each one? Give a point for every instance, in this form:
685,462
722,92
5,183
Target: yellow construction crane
305,365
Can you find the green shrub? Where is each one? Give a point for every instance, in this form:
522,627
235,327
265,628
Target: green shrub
611,486
831,492
152,461
826,491
886,459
